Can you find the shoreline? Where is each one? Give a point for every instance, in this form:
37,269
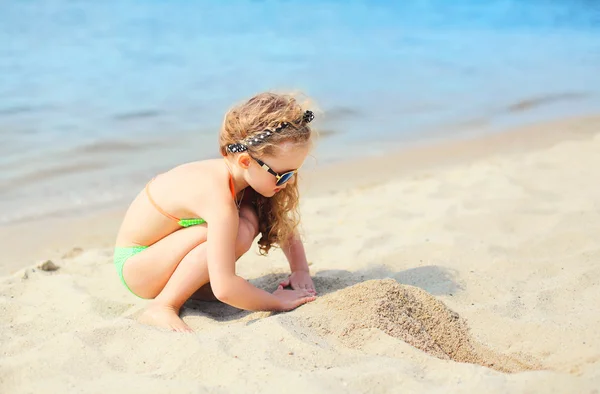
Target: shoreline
105,174
98,229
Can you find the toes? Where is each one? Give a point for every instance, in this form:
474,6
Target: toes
182,329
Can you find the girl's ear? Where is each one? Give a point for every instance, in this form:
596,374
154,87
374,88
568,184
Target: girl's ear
244,160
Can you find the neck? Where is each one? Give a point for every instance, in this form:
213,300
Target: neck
239,183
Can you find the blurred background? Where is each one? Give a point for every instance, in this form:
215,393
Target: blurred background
97,97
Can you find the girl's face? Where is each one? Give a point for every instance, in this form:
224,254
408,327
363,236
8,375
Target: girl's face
288,157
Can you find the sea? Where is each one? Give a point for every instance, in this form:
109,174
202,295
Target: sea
96,97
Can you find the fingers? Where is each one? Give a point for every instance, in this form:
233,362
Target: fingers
285,282
304,293
309,287
304,300
304,286
301,297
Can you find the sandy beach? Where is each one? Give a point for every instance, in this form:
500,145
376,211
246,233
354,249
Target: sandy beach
464,266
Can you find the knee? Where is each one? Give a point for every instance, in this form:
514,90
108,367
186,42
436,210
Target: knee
199,234
247,231
245,238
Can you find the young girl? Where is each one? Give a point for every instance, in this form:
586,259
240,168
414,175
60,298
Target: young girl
190,224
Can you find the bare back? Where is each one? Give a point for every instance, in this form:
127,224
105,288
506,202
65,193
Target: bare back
187,191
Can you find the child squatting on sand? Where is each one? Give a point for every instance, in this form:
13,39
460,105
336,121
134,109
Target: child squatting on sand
183,233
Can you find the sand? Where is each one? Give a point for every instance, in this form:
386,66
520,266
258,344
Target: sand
411,315
476,271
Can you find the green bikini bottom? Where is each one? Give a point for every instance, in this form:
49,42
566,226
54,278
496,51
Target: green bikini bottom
120,257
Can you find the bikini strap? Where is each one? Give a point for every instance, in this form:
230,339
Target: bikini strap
158,208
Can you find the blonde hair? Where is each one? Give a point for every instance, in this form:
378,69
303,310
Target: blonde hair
278,216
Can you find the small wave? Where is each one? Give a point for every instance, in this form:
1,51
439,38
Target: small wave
67,205
109,147
340,113
134,115
531,103
22,109
47,173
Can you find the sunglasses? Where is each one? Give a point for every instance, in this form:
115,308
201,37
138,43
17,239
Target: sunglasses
281,178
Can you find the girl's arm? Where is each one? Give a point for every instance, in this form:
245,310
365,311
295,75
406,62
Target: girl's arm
296,256
226,285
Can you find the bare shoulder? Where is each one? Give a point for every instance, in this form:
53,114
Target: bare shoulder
199,188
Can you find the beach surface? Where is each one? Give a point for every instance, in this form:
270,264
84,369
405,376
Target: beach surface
463,266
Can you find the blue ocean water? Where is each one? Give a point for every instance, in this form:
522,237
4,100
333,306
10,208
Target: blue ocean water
95,97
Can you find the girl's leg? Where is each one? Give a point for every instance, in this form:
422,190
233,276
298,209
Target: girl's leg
174,268
191,273
147,272
249,219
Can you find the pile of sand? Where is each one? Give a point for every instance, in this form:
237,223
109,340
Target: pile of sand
410,314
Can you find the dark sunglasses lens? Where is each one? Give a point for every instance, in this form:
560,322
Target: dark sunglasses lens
284,178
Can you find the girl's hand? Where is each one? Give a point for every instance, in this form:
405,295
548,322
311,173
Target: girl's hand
300,280
291,299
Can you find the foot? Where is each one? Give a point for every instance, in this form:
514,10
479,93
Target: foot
164,316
